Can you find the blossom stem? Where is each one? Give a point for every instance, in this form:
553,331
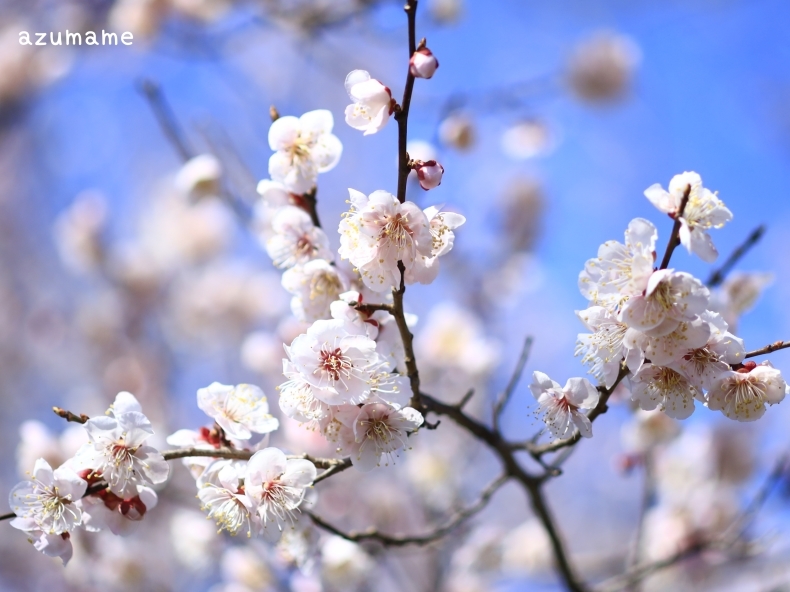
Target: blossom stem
503,399
408,341
401,540
674,238
310,201
718,276
777,345
69,416
402,114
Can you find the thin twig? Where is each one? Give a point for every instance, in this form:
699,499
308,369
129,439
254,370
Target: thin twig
402,114
369,309
166,118
503,399
648,497
674,238
776,345
69,416
403,540
321,463
718,276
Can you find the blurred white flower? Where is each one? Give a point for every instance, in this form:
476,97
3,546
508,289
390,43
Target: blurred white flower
457,130
295,240
78,232
344,565
648,429
315,286
601,67
526,139
199,177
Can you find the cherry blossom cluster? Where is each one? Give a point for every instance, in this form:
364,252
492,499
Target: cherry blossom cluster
658,324
259,496
116,459
655,328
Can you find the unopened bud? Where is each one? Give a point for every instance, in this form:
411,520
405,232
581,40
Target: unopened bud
423,63
429,174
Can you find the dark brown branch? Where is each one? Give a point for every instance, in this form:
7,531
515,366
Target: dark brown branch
674,238
309,203
369,309
402,113
718,276
503,399
69,416
403,540
776,345
408,341
321,463
531,483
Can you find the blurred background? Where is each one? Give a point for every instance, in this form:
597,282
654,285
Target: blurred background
121,271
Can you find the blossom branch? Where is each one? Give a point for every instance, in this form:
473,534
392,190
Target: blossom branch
531,483
408,341
69,416
402,114
717,277
402,540
503,399
674,238
775,346
165,118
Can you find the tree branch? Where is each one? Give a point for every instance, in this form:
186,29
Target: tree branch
775,346
402,114
69,416
408,341
167,121
674,238
503,399
402,540
718,276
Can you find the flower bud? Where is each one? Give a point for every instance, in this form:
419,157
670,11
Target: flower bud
429,174
423,63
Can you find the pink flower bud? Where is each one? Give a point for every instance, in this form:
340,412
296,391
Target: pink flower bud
429,174
423,63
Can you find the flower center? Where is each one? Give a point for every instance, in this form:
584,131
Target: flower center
396,231
334,363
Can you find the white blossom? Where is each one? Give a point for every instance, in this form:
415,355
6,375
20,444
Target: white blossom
46,508
276,486
703,211
340,366
609,343
743,394
297,400
620,270
116,452
200,177
315,286
669,298
374,431
423,63
666,349
294,239
221,491
240,410
378,232
373,102
661,387
703,364
560,406
304,147
441,225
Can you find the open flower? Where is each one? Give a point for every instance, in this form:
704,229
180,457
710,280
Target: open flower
295,239
620,270
376,430
670,297
304,147
240,410
560,406
104,509
340,365
607,345
46,508
315,286
378,232
441,225
660,387
222,495
702,212
704,364
373,103
116,451
276,486
743,394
